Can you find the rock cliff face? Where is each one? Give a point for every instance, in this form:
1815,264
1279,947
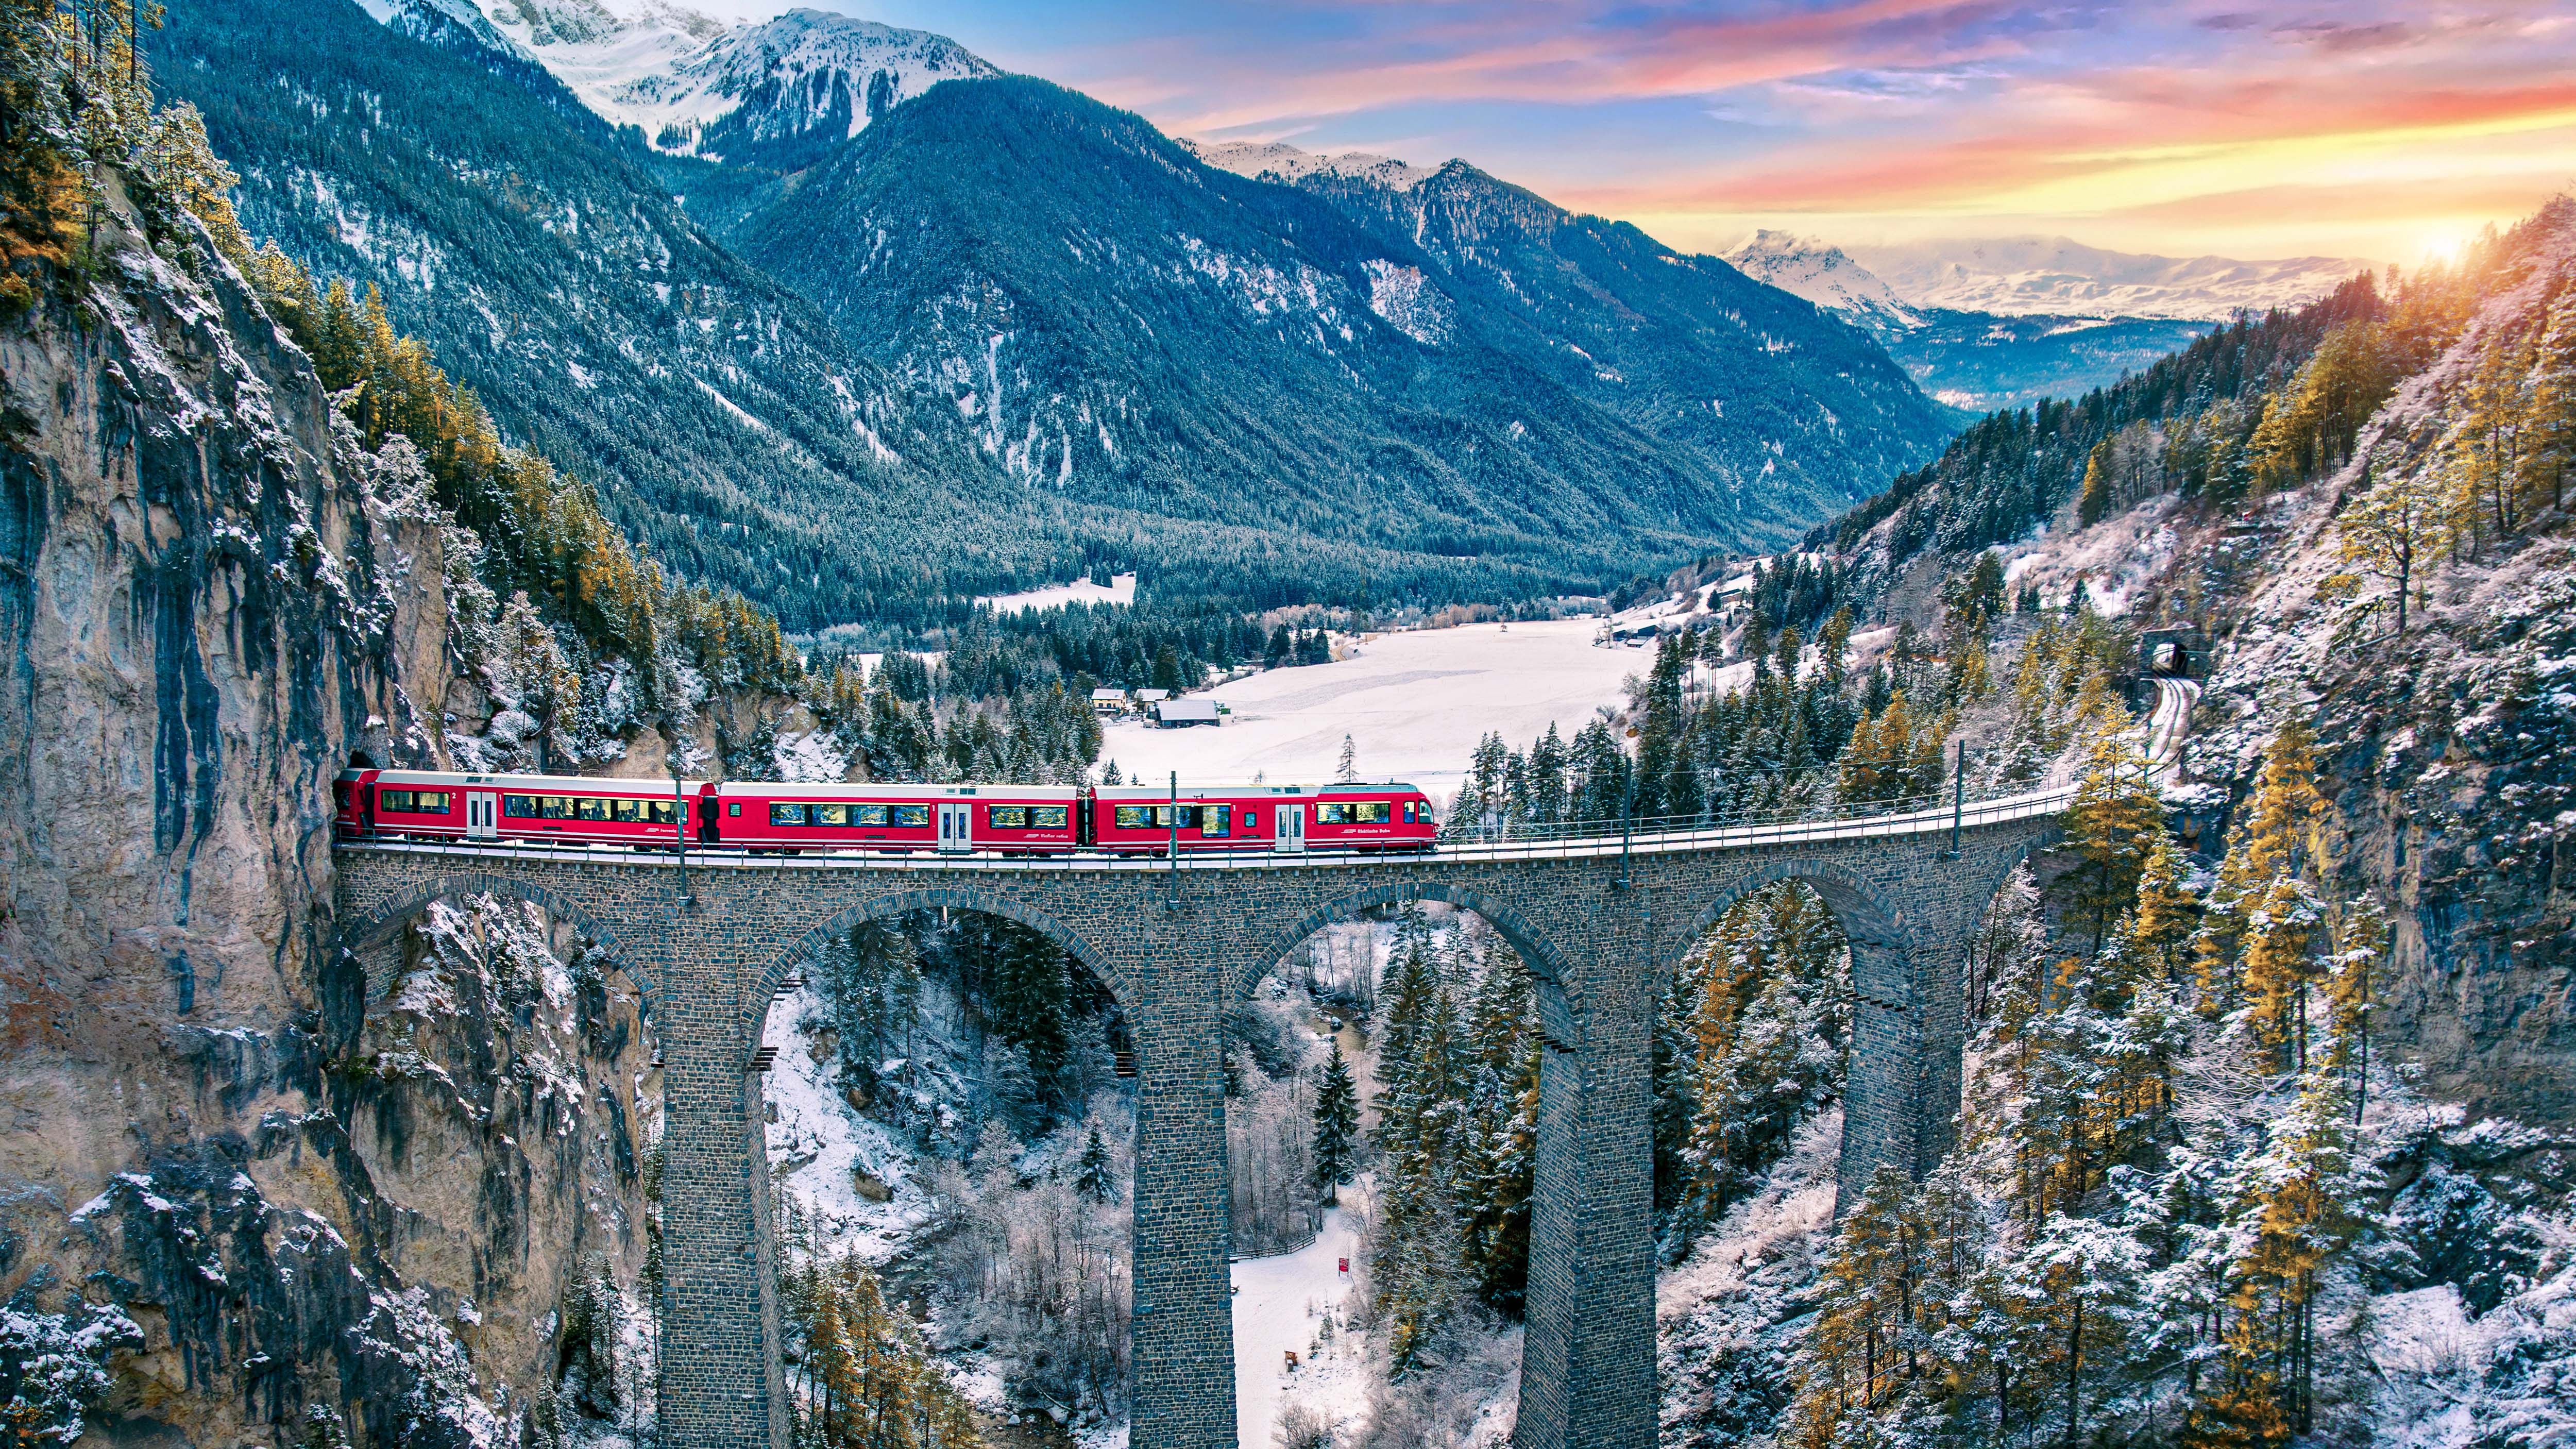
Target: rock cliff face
2448,751
2446,756
265,1209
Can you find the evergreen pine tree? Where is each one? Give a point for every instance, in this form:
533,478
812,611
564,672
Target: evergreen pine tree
2352,992
1337,1123
2284,820
2280,967
2112,825
2167,912
2095,500
1093,1177
1031,996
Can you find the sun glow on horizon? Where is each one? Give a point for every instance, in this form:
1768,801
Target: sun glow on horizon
2389,130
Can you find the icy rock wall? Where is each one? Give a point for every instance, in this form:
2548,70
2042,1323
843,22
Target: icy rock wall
210,597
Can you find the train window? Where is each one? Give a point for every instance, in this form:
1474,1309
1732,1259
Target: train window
1373,812
733,807
590,808
554,807
628,810
913,815
664,812
1135,817
783,813
1333,812
831,814
868,815
395,800
1251,822
1046,817
523,807
1408,812
1214,821
1007,817
429,802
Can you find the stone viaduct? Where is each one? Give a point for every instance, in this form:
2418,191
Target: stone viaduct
1597,924
1599,921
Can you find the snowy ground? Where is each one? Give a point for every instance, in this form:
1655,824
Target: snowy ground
819,1147
1279,1306
1413,703
1121,589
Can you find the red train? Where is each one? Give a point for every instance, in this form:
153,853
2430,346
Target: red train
805,819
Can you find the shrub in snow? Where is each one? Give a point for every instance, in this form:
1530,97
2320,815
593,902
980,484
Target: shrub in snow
53,1366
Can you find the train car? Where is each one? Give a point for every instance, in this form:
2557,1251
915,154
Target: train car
1371,817
1023,819
802,818
1140,819
440,805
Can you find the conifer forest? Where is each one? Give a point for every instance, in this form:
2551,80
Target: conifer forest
600,388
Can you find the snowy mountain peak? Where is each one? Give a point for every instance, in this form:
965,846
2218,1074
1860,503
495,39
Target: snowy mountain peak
2058,276
1273,158
698,86
1823,274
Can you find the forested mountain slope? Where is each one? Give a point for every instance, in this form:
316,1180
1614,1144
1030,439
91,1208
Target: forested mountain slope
1775,401
1124,325
2361,505
2014,469
719,415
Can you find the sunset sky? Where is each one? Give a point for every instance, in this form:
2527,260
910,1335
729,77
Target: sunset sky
2368,128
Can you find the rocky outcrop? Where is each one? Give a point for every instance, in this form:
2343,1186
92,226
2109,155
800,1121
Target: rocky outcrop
211,598
2448,752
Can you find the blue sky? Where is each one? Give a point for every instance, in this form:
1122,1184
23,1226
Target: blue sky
2368,128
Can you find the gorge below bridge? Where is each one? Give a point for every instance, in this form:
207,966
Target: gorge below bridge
1600,921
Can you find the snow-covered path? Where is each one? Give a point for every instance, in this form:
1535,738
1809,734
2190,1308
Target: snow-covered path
1277,1301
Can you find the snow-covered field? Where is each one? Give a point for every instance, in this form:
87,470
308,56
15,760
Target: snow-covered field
1414,705
1121,589
1279,1303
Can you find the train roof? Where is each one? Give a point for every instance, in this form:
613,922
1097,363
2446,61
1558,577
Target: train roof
566,784
1164,792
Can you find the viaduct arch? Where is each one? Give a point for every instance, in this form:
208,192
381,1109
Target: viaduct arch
1597,922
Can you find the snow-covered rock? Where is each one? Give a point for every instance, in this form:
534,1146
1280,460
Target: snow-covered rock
1823,274
696,85
1283,162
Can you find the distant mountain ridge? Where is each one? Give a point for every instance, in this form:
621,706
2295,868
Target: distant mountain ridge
1976,360
2062,277
1278,161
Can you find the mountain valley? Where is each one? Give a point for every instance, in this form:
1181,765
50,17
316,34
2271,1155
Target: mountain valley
1986,828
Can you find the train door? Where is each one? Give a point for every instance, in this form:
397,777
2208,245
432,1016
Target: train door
955,819
482,814
1291,834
